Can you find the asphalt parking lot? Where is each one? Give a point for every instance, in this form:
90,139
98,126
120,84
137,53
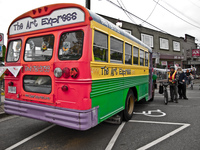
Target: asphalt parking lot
154,125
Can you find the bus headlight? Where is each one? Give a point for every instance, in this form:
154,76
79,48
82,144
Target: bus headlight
58,72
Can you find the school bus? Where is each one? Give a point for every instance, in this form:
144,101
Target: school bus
69,66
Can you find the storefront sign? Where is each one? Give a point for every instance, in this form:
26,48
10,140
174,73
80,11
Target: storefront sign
164,63
195,53
56,18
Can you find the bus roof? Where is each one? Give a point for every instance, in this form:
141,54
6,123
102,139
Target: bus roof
54,16
112,26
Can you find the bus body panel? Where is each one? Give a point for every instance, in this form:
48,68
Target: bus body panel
98,92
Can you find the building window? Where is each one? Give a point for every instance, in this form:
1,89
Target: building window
141,58
147,39
176,46
146,58
164,44
116,50
135,55
128,54
100,46
127,31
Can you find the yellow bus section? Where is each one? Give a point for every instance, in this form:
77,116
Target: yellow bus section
107,70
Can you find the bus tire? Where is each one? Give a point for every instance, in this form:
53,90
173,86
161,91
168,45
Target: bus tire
129,106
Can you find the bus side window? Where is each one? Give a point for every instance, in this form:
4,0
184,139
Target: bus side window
146,58
100,46
116,50
141,58
128,54
135,55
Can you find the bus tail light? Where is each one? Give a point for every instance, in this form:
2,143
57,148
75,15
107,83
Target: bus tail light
58,72
66,72
74,72
64,88
10,83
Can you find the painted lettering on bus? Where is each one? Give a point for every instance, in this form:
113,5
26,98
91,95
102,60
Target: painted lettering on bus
115,71
37,97
45,21
64,17
31,24
37,68
104,70
124,71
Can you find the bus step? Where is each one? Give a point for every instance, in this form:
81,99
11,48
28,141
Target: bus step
116,119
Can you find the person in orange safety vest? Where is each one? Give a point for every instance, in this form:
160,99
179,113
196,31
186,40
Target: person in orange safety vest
172,79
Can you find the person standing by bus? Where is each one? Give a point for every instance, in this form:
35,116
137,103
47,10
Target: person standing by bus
172,79
187,77
181,84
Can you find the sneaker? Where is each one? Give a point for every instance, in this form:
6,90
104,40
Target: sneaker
185,98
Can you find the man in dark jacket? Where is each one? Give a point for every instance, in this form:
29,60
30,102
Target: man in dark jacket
182,84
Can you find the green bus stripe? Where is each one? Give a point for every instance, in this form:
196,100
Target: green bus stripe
110,94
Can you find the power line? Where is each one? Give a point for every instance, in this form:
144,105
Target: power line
137,17
126,12
177,15
180,12
151,11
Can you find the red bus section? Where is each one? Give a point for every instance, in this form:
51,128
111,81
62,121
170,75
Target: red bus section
50,47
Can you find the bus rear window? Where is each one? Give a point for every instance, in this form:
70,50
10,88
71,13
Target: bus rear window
39,48
14,49
71,45
37,84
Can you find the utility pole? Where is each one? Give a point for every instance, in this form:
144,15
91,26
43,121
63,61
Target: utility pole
87,4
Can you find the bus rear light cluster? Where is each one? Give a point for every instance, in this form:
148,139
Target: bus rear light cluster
66,72
10,83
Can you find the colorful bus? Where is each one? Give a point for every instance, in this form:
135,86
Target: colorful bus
69,66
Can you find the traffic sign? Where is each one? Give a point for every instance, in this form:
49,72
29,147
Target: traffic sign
1,51
1,39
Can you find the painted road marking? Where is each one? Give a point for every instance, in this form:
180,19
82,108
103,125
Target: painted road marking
115,136
117,133
30,137
8,118
149,113
183,126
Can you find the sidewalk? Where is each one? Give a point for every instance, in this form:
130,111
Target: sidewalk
2,105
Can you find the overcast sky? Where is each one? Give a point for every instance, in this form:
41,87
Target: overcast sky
188,10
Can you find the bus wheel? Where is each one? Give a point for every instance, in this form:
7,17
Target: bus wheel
129,106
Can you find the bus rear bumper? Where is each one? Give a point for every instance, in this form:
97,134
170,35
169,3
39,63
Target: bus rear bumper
75,119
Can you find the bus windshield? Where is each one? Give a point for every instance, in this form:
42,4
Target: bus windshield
39,48
71,44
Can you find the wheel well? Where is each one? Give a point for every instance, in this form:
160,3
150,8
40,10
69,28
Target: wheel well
134,92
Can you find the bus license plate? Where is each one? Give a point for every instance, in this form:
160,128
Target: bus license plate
12,89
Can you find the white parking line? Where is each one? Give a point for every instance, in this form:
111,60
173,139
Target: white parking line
183,126
117,133
30,137
115,136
